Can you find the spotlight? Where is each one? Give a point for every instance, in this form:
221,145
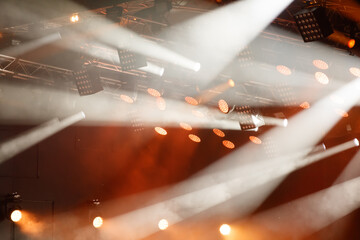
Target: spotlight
163,224
74,18
98,222
356,142
223,106
130,60
15,215
88,81
95,214
351,43
313,24
225,229
13,209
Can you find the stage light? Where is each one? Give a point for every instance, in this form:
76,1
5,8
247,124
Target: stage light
228,144
356,142
126,98
321,78
355,71
161,104
225,229
153,92
191,101
219,132
88,81
74,18
351,43
130,60
285,122
284,70
160,131
223,106
185,126
231,83
305,105
16,215
163,224
194,138
98,222
313,24
13,208
320,64
255,140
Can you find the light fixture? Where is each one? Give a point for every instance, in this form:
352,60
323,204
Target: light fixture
163,224
95,214
88,81
74,18
225,229
130,60
13,208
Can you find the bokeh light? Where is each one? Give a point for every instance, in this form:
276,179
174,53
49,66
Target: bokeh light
231,83
219,132
198,113
225,229
194,138
223,106
160,103
284,70
185,126
351,43
98,222
153,92
228,144
321,78
255,140
16,215
341,113
320,64
74,18
191,101
126,98
305,105
355,71
161,131
163,224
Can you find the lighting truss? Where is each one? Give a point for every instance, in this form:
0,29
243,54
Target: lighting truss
88,81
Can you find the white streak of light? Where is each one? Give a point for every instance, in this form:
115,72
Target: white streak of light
24,141
153,68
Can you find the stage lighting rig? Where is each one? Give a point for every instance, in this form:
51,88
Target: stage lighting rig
12,207
88,81
95,214
130,60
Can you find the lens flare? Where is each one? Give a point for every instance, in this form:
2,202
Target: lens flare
163,224
225,229
16,215
98,222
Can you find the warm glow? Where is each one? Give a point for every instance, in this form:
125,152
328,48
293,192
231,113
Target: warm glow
223,106
255,140
160,131
355,71
283,70
305,105
98,222
320,64
74,18
191,100
321,78
126,98
163,224
161,104
219,132
153,92
231,83
225,229
16,216
198,114
228,144
185,126
341,113
351,43
194,138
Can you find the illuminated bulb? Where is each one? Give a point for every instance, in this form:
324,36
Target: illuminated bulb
98,222
225,229
160,131
356,142
223,106
351,43
16,215
219,132
74,18
163,224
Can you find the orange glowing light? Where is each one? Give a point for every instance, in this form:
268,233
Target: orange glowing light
163,224
153,92
231,83
305,105
194,138
161,104
355,71
98,222
16,215
321,78
228,144
320,64
351,43
219,132
255,140
185,126
160,131
225,229
191,101
223,106
74,18
283,70
126,98
342,113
